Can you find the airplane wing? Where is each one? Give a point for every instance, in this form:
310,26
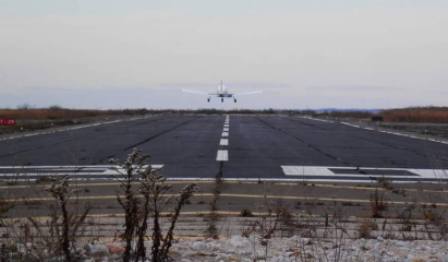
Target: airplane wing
196,92
249,93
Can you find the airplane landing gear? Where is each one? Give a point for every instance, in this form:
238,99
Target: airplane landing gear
222,100
234,100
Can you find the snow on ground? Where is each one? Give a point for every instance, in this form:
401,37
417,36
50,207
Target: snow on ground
294,249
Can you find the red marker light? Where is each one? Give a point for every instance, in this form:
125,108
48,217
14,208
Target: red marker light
7,122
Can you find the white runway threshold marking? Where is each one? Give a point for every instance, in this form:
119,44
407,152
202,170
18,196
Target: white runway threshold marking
226,129
224,142
222,156
364,174
88,172
225,134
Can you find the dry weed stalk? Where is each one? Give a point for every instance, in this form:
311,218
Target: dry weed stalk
142,181
62,229
435,222
212,231
377,204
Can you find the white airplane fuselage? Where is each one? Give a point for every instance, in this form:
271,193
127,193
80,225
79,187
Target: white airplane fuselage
222,93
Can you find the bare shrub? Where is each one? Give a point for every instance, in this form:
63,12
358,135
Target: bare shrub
212,231
262,230
4,208
58,235
377,204
130,202
435,222
316,249
141,181
406,216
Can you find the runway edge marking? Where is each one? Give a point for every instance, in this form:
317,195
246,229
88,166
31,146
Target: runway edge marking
441,141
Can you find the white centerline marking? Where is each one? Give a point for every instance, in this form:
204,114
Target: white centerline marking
223,155
224,142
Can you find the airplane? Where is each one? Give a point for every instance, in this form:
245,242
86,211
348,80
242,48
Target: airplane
221,93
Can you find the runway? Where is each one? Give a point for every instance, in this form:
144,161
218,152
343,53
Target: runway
242,147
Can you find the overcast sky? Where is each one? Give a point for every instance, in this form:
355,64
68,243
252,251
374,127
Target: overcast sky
304,54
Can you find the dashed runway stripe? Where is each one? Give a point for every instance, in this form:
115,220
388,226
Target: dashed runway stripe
224,142
222,156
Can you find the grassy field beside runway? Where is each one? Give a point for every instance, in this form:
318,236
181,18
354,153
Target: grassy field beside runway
32,119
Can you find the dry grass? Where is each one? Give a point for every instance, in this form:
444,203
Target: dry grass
56,113
411,114
418,114
357,114
31,119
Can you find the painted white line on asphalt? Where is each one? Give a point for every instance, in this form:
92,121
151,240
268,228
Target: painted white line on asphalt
442,141
22,172
224,142
318,119
280,180
352,172
395,133
223,155
69,167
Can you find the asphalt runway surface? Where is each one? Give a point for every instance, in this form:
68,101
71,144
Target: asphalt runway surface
238,146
